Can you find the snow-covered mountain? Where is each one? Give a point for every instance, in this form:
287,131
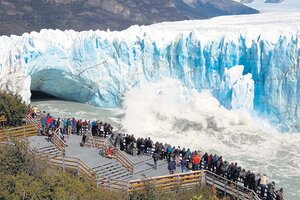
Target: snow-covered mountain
273,5
265,1
249,62
274,1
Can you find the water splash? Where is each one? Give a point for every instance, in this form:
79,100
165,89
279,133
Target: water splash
169,112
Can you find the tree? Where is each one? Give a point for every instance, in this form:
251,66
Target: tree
12,107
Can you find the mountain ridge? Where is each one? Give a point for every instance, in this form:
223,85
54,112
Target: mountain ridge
19,16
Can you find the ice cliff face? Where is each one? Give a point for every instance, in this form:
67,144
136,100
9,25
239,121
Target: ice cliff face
254,66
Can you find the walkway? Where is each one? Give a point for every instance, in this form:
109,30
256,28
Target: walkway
104,167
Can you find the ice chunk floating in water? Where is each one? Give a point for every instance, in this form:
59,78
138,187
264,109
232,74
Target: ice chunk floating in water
99,67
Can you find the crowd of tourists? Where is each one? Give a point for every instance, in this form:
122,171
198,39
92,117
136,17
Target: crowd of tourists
188,160
183,158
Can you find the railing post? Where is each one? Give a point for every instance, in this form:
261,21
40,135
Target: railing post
78,166
109,184
203,177
63,164
225,188
178,181
238,191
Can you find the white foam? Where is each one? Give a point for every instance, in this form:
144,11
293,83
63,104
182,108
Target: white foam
168,112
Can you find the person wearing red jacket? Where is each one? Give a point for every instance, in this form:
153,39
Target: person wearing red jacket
196,162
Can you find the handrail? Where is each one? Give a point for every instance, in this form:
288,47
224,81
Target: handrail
123,159
236,190
169,182
108,183
17,132
71,163
30,120
192,179
59,143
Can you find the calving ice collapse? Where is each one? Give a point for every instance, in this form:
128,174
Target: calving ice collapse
246,62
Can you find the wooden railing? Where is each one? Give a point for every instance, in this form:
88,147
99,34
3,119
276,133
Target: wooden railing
229,187
123,160
2,120
59,143
30,120
169,182
74,165
94,142
111,184
192,180
17,132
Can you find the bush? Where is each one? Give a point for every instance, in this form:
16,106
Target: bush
199,193
12,107
23,176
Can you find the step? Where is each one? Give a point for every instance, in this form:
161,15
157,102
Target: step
109,169
100,168
106,164
118,173
123,177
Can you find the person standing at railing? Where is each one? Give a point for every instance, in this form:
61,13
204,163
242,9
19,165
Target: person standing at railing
188,154
271,190
183,164
219,166
74,125
155,157
214,162
78,127
205,160
43,123
171,166
69,126
34,112
49,121
263,184
196,162
279,194
257,182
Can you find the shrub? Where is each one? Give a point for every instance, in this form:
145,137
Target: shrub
12,107
23,176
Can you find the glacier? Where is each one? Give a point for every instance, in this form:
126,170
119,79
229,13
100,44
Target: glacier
247,62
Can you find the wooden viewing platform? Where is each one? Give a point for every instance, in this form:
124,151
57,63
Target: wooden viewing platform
112,174
123,172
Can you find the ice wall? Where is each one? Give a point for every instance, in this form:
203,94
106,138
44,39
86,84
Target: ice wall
99,67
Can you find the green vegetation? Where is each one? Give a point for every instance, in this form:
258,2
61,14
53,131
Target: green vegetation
200,193
23,176
13,108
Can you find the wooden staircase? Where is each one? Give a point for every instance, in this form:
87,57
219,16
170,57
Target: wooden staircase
112,170
49,151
